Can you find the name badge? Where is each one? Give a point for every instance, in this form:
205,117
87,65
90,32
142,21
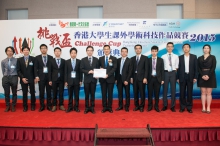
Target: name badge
154,73
45,70
110,64
73,74
12,66
30,63
170,68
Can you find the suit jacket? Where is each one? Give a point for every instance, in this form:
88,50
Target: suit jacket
193,72
126,70
142,70
69,69
53,70
159,69
110,69
39,65
85,68
26,72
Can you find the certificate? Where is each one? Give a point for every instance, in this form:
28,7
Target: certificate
99,73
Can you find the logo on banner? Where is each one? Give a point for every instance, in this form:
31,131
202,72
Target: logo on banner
160,24
73,24
52,24
105,24
174,24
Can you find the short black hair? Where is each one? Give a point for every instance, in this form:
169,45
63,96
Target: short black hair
154,48
25,47
89,47
73,49
43,45
170,43
207,46
124,48
186,45
137,46
107,46
57,48
12,48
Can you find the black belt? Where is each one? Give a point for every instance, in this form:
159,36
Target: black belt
187,73
169,71
153,76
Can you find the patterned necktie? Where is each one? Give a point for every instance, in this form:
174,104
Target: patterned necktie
137,61
73,64
90,61
45,60
9,66
106,61
58,62
154,64
26,61
122,64
170,61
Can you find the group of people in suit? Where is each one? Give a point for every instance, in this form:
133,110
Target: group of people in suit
139,70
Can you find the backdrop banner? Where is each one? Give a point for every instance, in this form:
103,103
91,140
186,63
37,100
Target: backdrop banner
118,33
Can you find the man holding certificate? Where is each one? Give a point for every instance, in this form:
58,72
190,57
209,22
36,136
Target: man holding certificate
109,63
87,66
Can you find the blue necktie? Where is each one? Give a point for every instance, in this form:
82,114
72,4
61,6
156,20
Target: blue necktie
137,61
121,67
45,60
106,61
73,64
58,62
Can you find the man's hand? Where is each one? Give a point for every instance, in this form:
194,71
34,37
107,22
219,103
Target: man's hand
80,83
50,83
131,80
25,80
162,82
194,80
115,81
145,81
37,79
106,76
90,72
66,84
125,83
178,81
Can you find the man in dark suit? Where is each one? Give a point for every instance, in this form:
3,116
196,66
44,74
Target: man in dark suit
139,77
73,80
41,71
109,63
88,64
56,71
122,78
187,74
155,78
25,69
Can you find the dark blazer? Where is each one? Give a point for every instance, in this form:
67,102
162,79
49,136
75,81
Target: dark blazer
85,68
126,70
69,69
110,69
142,70
193,71
26,72
53,70
159,69
39,65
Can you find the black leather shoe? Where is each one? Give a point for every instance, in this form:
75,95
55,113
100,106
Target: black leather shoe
149,109
173,109
77,110
119,108
13,109
7,108
93,111
136,108
49,108
41,109
164,108
32,108
190,111
25,109
103,110
181,110
86,111
141,110
69,110
157,110
127,109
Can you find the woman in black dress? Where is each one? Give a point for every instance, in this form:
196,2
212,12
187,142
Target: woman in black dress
206,78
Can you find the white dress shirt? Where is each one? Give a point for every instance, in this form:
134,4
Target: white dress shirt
186,59
174,61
